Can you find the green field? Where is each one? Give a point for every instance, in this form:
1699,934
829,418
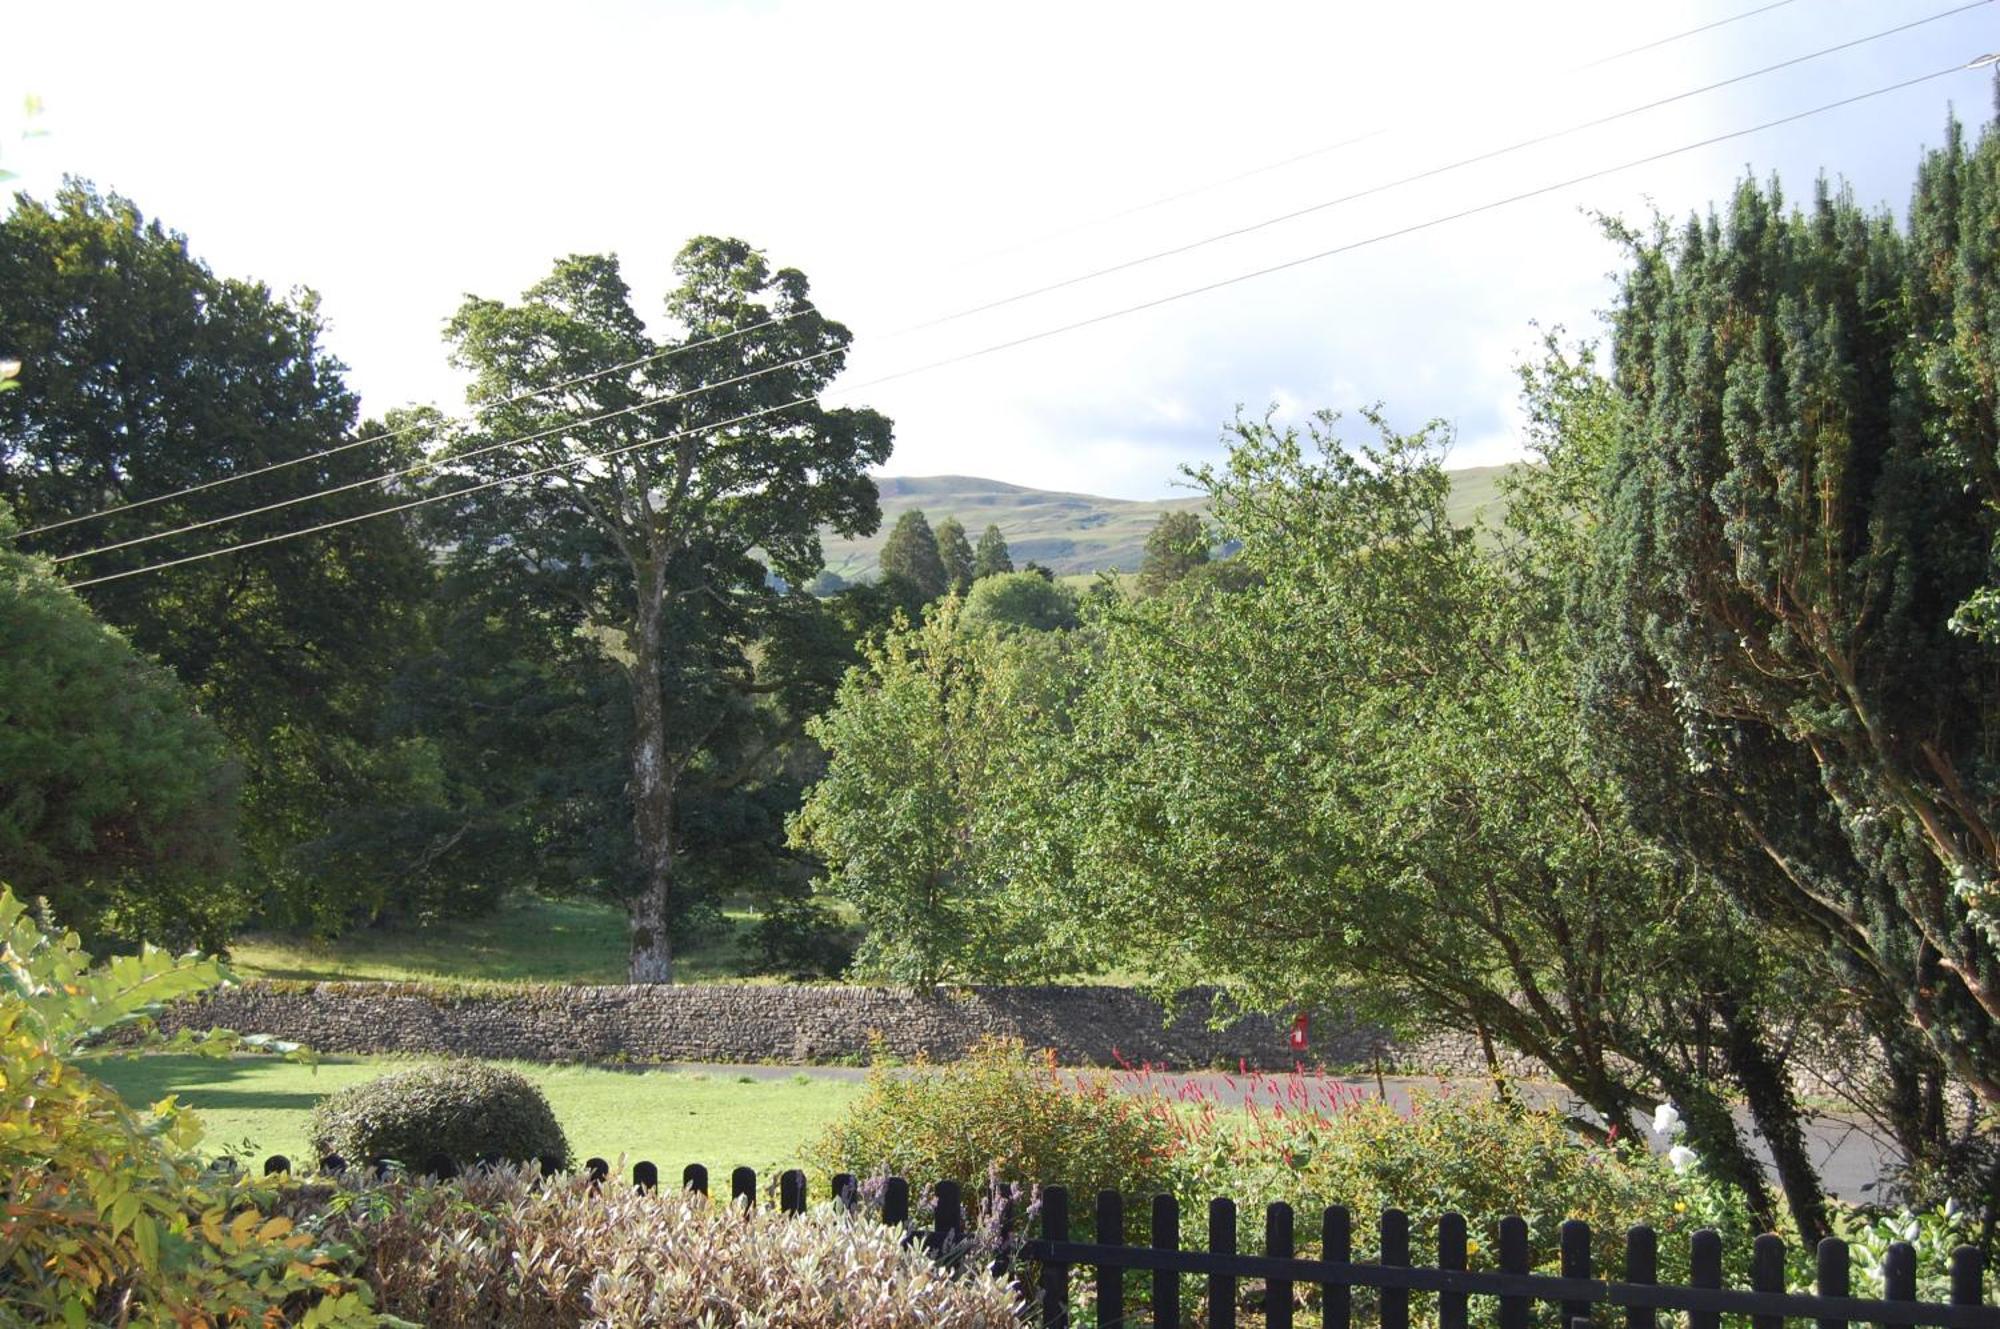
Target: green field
526,940
1073,534
257,1106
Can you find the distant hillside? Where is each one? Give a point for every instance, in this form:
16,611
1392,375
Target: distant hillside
1071,533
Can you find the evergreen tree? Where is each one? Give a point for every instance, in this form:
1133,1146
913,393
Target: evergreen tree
1176,547
1804,493
992,558
910,557
955,553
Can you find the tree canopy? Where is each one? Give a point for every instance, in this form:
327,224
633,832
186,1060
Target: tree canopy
910,559
671,488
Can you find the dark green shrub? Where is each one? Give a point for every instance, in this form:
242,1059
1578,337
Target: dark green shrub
464,1110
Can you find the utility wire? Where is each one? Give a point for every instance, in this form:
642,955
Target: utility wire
1364,137
571,463
641,361
1078,279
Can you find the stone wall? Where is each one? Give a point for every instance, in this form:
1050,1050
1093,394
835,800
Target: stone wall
1087,1026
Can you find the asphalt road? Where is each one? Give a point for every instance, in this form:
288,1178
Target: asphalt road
1849,1157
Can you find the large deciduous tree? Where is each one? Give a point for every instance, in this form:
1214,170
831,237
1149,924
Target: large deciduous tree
1804,494
652,562
1175,546
144,373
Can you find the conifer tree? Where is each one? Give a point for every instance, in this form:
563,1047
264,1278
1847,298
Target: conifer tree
955,553
910,556
992,558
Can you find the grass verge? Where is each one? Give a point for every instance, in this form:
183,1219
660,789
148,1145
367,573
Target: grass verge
257,1106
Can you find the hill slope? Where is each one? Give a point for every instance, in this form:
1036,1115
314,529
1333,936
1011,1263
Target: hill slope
1071,533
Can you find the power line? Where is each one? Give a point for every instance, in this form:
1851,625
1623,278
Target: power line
235,476
571,463
1126,265
1326,149
641,361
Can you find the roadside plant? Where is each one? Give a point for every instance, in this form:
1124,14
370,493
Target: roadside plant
464,1111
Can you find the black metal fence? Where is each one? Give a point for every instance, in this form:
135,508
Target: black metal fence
1053,1262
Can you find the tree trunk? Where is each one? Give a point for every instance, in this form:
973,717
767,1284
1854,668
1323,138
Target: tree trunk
652,959
1776,1112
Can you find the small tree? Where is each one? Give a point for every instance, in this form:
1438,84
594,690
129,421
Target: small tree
910,557
1176,547
955,554
1018,601
992,557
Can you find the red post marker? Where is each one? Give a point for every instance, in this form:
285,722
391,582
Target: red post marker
1300,1024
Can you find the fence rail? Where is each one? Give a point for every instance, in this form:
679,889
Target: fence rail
1052,1259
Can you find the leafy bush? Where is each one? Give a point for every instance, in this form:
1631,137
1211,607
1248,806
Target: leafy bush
111,1218
505,1246
1002,1113
1454,1153
463,1110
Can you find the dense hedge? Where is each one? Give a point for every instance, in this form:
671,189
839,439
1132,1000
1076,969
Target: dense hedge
463,1110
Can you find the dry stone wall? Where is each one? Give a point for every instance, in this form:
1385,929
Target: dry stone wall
1087,1026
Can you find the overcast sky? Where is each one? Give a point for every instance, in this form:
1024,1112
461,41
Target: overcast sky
916,160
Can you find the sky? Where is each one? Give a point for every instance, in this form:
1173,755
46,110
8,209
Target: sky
920,160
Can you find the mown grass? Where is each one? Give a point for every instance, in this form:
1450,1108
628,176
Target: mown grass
258,1106
526,940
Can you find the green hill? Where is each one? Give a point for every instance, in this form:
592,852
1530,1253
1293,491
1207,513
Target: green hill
1071,533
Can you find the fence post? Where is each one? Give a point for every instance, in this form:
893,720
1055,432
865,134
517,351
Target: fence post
1395,1233
333,1165
845,1193
694,1177
792,1191
1513,1260
950,1224
1899,1272
743,1186
1166,1283
1336,1246
1705,1271
1966,1277
1575,1264
1832,1277
276,1165
1222,1241
599,1171
1767,1274
896,1202
645,1176
1055,1275
1110,1277
1451,1255
1642,1266
1278,1245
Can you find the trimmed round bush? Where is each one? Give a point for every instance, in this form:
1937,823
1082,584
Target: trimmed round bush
465,1111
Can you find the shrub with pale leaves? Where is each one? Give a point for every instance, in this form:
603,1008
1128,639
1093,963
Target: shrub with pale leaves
506,1246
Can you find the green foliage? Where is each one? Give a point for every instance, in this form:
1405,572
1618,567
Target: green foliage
507,1247
642,583
926,745
992,558
1005,1113
955,554
1177,546
117,800
1011,602
1464,1153
147,373
911,560
1802,498
463,1110
111,1218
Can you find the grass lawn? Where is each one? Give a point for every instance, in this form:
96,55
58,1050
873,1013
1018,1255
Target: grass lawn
526,940
258,1106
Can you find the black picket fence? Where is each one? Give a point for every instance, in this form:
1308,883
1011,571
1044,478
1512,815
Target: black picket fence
1047,1265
